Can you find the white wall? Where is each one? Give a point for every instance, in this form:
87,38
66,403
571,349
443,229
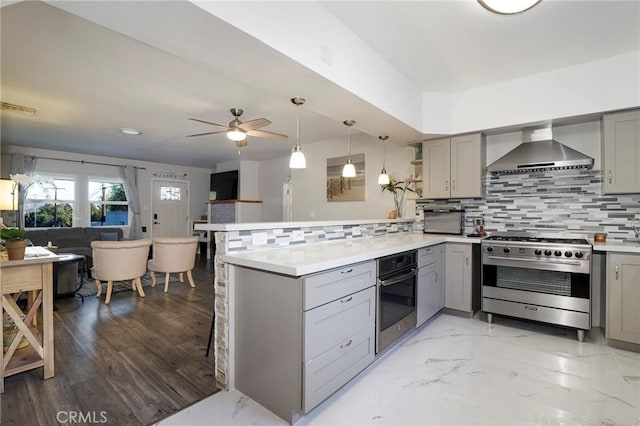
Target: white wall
273,175
604,85
198,178
309,185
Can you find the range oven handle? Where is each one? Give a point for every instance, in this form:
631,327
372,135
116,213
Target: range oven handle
397,279
565,262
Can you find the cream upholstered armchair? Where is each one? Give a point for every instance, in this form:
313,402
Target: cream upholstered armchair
119,261
173,255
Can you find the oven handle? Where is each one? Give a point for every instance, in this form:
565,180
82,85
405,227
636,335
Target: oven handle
534,260
392,281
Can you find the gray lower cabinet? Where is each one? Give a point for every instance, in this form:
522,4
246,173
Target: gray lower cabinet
430,288
458,274
299,339
623,297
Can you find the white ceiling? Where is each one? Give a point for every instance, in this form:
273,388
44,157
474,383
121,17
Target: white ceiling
152,65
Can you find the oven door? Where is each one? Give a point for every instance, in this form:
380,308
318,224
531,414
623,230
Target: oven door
536,285
396,306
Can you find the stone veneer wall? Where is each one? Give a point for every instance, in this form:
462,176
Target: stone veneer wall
264,239
560,201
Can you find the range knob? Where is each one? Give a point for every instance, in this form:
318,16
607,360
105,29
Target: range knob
490,249
568,254
579,254
538,252
557,253
547,252
506,250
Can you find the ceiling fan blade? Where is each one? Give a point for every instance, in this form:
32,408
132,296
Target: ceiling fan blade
208,122
208,133
254,124
267,135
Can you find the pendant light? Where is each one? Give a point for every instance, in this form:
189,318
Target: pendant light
297,160
383,179
349,170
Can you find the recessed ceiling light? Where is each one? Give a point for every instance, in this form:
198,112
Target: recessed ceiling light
508,7
134,132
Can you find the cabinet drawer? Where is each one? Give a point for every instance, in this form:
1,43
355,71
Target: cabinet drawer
328,325
328,286
426,256
328,372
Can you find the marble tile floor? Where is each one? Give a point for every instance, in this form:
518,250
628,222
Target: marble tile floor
461,371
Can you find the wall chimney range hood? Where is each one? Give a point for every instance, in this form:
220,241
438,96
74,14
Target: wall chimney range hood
539,152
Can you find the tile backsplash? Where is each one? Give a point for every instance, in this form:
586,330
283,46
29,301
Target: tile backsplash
261,239
561,201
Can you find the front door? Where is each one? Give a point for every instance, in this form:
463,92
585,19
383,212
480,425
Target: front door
170,212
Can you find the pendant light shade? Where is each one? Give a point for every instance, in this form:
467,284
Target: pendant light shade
383,179
349,170
508,7
297,160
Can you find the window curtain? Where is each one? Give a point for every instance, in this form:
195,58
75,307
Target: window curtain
129,175
27,166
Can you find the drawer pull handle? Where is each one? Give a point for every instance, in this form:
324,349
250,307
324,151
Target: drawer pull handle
530,308
347,271
617,275
347,344
347,300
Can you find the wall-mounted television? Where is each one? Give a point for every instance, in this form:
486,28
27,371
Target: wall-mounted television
225,185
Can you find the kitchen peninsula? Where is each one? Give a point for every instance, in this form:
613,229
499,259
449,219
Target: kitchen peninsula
295,264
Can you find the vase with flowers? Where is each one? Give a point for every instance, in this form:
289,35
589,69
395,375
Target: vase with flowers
398,189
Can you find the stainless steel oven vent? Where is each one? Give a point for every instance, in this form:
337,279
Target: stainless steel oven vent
539,152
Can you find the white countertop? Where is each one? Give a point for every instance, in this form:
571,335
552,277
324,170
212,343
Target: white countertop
307,259
279,225
616,246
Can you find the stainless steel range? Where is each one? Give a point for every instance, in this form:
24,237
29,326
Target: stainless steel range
538,278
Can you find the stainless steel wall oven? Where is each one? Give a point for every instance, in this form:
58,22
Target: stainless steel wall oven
538,278
396,301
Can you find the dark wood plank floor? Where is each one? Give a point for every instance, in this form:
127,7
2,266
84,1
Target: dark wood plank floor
132,362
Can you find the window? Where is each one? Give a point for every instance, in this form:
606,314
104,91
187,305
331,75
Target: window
48,205
170,193
108,204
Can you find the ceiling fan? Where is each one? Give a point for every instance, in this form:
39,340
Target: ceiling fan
238,131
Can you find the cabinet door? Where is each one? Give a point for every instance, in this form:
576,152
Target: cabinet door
426,294
621,153
458,277
440,276
467,165
623,297
436,164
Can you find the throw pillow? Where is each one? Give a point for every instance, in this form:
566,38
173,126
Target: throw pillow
108,236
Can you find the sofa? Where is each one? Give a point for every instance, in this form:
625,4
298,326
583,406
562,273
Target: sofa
73,240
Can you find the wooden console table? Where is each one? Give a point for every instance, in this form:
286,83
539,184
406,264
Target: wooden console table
33,276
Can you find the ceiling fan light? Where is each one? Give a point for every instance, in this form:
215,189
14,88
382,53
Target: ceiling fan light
236,135
508,7
383,179
297,160
349,170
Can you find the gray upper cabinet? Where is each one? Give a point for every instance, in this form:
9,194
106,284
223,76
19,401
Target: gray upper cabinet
621,153
454,167
623,297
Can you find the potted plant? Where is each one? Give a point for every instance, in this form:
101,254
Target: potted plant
398,189
14,242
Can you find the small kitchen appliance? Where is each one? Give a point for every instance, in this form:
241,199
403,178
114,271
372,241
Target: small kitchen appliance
443,220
